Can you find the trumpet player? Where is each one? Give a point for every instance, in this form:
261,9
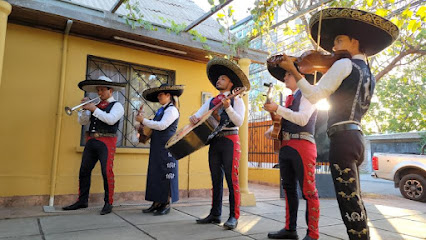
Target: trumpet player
101,139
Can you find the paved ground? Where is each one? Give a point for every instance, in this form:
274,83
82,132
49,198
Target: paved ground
390,217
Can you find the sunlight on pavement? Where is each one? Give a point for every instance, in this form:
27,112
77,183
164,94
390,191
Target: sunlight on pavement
394,211
245,228
409,224
374,234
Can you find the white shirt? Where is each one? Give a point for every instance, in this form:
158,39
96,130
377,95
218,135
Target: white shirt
235,113
302,116
329,82
170,115
117,111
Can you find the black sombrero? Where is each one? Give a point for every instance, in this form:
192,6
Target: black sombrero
374,32
90,85
279,73
151,94
221,66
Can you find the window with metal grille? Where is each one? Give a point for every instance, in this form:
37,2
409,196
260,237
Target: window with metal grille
138,78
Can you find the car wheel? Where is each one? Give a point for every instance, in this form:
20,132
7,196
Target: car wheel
413,187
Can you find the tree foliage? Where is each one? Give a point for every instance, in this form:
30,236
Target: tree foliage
402,102
398,70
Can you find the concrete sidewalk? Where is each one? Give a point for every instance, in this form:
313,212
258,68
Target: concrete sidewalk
390,217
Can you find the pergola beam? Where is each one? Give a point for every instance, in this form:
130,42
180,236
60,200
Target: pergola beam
206,15
302,12
116,6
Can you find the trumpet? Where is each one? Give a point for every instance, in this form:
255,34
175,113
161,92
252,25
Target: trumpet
69,110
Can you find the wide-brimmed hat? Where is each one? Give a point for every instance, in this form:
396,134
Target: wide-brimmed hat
374,32
221,66
279,73
151,94
90,85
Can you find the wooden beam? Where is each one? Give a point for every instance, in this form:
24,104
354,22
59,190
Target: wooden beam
206,15
116,6
303,12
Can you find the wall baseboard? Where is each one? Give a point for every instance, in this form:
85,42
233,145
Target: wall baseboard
94,198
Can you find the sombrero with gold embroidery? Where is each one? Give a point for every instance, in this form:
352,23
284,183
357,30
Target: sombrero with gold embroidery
374,33
221,66
151,94
89,85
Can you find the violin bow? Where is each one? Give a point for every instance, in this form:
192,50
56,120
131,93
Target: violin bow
318,39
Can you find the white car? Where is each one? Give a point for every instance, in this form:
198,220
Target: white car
408,171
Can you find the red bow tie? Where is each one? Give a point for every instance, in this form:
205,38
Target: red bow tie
218,99
289,101
103,104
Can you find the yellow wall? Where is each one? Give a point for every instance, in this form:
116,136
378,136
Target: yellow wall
29,99
264,175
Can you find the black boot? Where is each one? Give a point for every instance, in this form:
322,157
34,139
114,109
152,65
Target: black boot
209,219
231,223
163,209
151,209
75,206
106,209
283,234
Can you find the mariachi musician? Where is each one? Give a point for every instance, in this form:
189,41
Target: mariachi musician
104,119
224,151
297,156
348,85
162,178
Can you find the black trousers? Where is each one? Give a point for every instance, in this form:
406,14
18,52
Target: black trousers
346,154
96,150
224,156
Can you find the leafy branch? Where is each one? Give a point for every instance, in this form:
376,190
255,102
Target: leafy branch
135,18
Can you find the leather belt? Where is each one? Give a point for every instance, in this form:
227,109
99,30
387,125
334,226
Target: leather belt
226,133
343,127
97,134
301,136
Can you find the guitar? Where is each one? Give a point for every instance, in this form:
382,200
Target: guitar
144,132
276,133
192,137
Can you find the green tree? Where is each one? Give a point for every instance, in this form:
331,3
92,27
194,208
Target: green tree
402,102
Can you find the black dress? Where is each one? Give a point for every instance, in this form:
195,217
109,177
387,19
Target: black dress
162,167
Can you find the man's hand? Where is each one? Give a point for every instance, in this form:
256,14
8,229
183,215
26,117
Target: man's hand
226,103
268,133
287,63
85,99
90,106
216,115
270,107
194,120
140,117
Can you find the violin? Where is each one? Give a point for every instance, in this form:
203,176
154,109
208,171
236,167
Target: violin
312,61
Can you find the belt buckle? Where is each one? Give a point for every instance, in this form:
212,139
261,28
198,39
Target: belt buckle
96,135
286,136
